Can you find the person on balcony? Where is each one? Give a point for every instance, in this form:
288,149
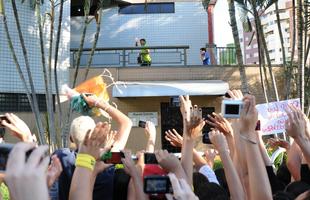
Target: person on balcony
144,58
205,56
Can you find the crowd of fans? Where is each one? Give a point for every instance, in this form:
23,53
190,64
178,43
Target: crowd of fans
82,174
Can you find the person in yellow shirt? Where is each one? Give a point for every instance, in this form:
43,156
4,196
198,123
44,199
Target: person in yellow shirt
144,58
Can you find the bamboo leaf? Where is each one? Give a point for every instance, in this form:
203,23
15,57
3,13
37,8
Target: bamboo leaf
1,7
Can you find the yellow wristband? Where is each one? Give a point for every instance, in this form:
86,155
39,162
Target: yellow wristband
85,161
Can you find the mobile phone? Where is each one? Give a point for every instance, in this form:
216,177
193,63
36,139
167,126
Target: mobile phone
2,132
3,118
157,185
206,138
150,158
257,128
227,95
232,108
5,150
142,124
116,158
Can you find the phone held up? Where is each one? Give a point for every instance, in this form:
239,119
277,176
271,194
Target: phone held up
142,124
156,184
3,118
5,150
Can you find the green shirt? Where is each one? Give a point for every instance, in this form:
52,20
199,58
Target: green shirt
145,56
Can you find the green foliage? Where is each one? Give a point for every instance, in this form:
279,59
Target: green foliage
4,192
205,3
1,7
217,164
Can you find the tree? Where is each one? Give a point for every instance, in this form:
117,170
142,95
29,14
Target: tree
234,28
257,7
301,69
47,79
27,65
87,4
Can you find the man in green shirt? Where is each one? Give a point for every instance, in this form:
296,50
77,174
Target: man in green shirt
144,55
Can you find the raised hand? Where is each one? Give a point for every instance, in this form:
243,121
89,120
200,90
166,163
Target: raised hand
185,106
93,141
235,94
27,179
94,101
195,123
249,115
218,139
181,189
54,170
150,130
273,142
18,128
129,165
167,161
220,123
296,124
174,138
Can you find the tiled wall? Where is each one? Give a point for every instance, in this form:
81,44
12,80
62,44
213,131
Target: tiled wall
187,26
9,78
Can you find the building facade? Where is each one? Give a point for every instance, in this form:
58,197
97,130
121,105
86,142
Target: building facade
271,31
169,23
12,92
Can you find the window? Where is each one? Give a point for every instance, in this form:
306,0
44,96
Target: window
151,8
15,102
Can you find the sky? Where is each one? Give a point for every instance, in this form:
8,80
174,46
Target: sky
222,29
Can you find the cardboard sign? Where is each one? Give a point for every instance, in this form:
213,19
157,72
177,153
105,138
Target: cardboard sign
272,115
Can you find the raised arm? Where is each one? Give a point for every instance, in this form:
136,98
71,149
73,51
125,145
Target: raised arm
297,127
223,125
150,132
176,140
124,123
258,179
89,152
136,178
192,128
234,184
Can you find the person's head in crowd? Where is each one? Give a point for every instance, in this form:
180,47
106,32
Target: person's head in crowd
142,42
283,174
296,188
281,195
203,50
220,175
79,127
199,181
120,184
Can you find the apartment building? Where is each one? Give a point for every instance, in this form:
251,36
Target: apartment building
271,31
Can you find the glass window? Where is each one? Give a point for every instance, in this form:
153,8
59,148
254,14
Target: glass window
15,102
151,8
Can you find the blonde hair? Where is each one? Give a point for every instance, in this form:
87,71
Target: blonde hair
79,128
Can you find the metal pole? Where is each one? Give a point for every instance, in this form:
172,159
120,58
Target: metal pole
124,57
185,57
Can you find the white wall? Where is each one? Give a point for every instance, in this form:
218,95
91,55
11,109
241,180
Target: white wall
187,26
9,78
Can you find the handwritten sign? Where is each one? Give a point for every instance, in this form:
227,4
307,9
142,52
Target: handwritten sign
272,115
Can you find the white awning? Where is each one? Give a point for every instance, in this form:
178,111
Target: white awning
170,88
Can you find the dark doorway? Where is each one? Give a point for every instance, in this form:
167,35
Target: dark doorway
171,118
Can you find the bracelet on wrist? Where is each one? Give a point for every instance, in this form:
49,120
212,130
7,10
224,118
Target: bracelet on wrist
85,161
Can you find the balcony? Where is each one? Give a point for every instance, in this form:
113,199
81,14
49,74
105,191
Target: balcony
127,56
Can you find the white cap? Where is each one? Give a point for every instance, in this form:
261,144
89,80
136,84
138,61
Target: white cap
209,173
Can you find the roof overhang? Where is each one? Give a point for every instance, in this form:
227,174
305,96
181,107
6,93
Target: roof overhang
170,88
